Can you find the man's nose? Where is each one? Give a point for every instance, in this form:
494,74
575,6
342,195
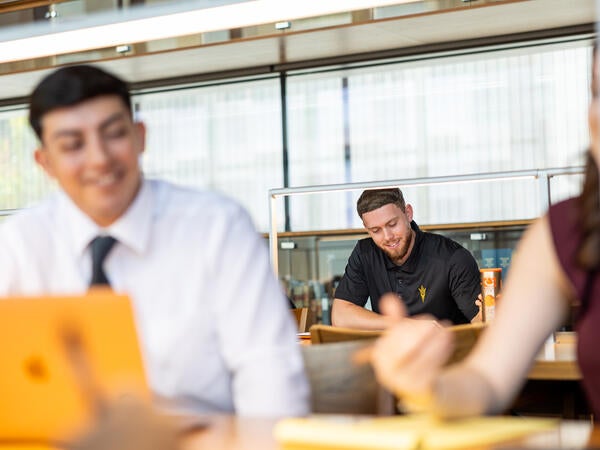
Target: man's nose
387,234
97,152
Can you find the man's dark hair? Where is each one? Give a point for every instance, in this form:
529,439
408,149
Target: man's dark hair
373,199
72,85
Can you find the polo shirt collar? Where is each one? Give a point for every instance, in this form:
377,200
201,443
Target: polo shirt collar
410,264
132,229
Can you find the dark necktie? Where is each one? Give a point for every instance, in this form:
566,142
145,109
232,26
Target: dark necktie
100,247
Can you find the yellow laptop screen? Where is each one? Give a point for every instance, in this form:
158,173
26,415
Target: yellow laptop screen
61,359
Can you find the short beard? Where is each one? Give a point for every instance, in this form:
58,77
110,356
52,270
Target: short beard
401,252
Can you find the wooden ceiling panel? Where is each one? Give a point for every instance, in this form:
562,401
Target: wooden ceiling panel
388,34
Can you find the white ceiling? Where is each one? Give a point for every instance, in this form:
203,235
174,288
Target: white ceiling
387,34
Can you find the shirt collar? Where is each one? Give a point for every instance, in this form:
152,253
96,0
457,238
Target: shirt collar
411,262
132,229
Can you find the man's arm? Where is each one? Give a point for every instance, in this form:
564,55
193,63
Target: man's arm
492,374
465,283
351,296
256,331
347,314
479,317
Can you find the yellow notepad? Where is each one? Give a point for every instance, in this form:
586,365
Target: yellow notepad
402,432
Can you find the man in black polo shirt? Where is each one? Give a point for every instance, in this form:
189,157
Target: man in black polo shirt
431,273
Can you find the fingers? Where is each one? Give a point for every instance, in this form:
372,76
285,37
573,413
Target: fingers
409,339
409,356
479,301
429,318
363,356
426,361
392,308
394,311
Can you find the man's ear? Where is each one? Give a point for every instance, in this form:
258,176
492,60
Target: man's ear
140,129
42,160
409,212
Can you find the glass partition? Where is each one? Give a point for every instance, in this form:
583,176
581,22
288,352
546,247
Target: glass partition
311,263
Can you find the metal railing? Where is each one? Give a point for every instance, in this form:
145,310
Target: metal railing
543,177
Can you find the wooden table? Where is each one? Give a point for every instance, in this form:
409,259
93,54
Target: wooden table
553,384
304,338
557,361
229,433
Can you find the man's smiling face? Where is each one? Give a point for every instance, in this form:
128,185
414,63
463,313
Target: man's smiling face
92,149
389,227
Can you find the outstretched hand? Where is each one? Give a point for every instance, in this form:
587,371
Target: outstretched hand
409,355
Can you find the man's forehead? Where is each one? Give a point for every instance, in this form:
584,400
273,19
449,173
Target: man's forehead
381,215
89,114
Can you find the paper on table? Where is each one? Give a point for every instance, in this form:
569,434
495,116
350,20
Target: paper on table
402,432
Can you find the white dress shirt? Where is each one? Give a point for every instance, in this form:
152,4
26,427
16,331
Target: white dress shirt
215,328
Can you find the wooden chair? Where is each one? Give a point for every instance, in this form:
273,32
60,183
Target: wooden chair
324,334
303,319
339,385
465,337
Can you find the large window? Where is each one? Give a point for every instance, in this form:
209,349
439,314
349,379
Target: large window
225,137
22,181
501,110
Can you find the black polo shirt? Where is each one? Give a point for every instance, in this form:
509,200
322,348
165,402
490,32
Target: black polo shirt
440,277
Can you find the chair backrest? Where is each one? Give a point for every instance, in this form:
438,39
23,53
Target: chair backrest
304,319
465,338
301,315
341,386
325,334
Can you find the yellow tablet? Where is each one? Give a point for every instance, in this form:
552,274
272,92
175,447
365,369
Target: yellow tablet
62,359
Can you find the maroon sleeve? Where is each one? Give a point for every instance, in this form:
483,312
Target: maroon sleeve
566,235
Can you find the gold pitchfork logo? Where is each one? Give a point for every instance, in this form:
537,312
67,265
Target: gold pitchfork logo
422,292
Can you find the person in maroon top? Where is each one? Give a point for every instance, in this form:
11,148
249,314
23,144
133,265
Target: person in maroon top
556,265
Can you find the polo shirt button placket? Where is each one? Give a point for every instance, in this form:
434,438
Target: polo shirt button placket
399,286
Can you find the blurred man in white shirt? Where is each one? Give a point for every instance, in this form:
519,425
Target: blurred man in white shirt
214,325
